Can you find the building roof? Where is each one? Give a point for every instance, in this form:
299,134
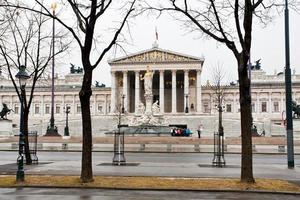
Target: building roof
156,55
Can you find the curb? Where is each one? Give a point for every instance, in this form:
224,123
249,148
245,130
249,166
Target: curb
167,152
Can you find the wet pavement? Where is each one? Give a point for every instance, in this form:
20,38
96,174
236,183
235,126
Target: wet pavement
93,194
155,164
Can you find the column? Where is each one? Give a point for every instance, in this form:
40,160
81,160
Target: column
199,94
174,100
125,90
186,88
105,104
11,102
161,91
95,104
137,91
270,102
234,103
113,93
258,107
74,106
1,101
43,106
282,108
63,107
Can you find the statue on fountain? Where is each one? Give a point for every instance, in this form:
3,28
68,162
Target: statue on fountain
148,91
148,81
155,108
149,113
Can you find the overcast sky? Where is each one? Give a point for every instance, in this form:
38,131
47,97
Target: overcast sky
268,45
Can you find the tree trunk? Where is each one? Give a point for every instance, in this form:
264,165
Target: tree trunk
246,119
84,95
26,147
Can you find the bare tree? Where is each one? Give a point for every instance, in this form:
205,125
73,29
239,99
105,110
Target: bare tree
89,17
23,42
218,88
230,23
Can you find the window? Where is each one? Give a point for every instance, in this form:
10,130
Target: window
228,108
100,108
78,110
16,109
276,106
57,108
253,107
206,108
37,109
47,109
264,106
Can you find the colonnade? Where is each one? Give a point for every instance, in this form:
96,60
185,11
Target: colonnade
137,99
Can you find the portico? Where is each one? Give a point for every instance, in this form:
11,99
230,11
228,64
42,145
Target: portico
174,76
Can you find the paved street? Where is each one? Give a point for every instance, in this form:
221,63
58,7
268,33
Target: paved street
155,164
93,194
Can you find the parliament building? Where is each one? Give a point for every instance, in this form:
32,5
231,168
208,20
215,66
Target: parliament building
177,88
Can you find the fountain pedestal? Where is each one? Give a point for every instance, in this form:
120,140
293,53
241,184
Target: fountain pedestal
148,98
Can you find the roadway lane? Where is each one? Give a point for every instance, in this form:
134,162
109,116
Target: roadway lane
95,194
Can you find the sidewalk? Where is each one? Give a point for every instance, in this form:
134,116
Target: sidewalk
155,144
188,173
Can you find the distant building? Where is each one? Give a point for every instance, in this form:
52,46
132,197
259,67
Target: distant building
176,85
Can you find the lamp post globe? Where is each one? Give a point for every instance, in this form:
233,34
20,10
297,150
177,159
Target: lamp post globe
22,76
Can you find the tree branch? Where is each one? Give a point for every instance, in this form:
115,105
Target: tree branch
113,41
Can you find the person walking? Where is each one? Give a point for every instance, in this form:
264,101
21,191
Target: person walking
199,130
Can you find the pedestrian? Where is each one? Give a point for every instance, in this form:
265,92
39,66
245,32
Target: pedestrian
199,130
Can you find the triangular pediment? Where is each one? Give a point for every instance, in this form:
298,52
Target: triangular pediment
155,55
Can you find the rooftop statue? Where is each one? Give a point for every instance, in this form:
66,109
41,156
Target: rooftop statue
97,84
74,70
257,65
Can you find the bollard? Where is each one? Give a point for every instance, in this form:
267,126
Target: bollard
225,147
142,147
14,145
169,147
281,148
253,147
197,147
64,146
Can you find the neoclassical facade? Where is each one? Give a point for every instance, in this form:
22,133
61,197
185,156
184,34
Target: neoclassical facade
176,81
176,87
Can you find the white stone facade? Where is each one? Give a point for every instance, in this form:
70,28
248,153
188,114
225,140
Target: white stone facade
175,76
176,85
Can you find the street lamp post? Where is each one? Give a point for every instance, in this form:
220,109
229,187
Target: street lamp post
288,93
123,107
66,133
22,76
52,129
186,103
